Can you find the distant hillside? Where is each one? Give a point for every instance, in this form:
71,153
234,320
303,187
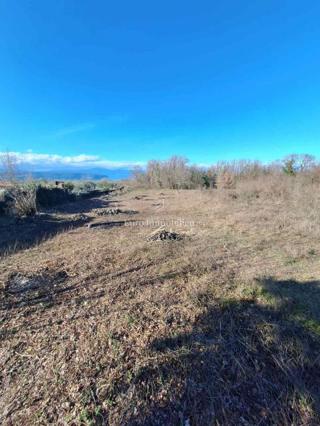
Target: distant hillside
78,174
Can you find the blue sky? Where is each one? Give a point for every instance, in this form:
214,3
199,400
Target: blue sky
124,82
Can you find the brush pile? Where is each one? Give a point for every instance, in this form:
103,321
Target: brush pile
163,235
107,212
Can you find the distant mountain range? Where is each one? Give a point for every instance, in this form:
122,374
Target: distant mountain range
75,173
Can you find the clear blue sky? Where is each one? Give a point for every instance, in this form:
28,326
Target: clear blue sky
134,80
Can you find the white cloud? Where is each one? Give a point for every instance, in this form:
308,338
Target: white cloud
34,160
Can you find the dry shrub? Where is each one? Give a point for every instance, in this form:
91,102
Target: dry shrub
226,180
271,186
24,201
287,203
23,196
278,187
174,173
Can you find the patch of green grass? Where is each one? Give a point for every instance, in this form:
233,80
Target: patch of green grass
303,317
257,292
290,261
131,320
296,304
114,343
267,296
90,418
312,325
229,303
129,375
312,252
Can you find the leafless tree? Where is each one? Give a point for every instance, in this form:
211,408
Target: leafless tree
8,168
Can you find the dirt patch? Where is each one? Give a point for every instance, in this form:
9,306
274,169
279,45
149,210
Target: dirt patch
20,289
19,283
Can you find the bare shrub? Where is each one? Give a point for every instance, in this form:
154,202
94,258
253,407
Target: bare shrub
139,178
174,173
240,169
23,196
226,180
295,163
24,201
272,187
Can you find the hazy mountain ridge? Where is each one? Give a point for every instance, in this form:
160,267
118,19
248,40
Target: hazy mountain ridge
77,173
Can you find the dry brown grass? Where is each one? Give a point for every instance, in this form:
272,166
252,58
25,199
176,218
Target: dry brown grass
222,327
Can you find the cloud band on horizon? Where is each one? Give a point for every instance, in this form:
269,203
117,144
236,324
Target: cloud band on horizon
52,161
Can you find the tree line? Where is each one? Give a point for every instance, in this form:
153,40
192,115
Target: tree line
178,173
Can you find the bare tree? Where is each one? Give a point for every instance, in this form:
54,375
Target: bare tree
8,168
297,163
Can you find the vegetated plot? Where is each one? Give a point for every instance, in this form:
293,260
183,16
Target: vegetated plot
187,331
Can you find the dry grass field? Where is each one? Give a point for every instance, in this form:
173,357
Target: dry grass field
100,326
